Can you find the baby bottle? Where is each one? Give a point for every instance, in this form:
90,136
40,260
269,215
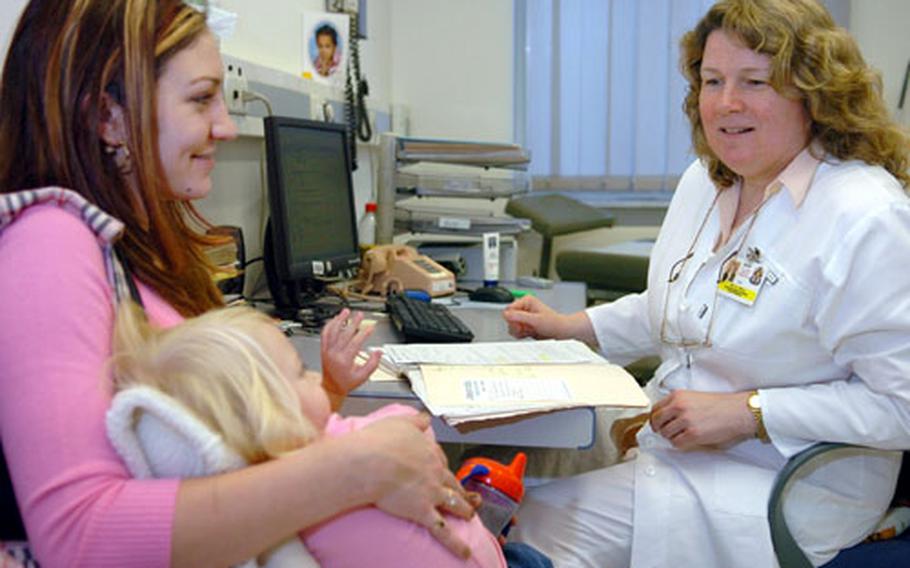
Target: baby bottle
500,486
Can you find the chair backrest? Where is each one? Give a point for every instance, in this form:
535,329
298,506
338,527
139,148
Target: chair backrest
902,492
11,527
555,214
788,552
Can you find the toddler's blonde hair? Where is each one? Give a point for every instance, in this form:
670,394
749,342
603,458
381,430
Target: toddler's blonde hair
214,366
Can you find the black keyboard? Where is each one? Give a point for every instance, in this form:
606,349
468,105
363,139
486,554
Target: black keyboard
425,322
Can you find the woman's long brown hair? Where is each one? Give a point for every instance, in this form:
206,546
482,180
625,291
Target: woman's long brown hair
65,58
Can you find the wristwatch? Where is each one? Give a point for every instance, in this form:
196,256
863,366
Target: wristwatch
754,403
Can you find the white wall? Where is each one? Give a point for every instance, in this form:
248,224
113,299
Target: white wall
269,33
451,60
9,16
452,64
882,29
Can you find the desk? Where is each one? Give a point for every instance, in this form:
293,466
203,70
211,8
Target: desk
572,428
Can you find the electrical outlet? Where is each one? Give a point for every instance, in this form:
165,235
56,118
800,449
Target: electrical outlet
235,84
321,108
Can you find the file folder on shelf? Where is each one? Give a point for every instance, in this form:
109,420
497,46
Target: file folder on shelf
457,223
482,154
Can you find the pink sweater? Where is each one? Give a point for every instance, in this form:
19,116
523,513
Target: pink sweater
80,505
370,537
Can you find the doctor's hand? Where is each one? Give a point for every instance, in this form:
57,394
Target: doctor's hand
342,339
692,420
529,317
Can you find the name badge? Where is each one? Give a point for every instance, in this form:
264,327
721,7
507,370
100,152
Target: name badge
741,278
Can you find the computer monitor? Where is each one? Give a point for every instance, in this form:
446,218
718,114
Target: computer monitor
312,231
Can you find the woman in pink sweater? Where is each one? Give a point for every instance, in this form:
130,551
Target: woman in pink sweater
119,102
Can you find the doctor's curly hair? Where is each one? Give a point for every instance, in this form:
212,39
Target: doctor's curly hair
818,60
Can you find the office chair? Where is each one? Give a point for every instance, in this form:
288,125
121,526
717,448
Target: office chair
610,272
880,554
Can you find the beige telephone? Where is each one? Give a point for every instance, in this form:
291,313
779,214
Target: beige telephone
393,268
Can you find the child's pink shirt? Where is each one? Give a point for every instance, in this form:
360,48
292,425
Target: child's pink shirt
370,537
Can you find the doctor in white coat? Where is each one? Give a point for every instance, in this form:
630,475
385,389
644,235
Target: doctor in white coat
778,301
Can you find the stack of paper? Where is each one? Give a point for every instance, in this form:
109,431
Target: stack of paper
484,381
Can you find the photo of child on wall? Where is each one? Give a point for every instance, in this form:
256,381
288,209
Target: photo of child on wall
325,47
327,56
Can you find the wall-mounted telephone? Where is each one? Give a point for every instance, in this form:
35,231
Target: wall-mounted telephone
356,88
393,268
903,97
351,7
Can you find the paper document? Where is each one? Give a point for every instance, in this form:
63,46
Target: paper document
382,372
493,353
493,390
598,384
472,382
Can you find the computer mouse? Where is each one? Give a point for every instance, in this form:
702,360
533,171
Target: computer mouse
421,295
493,294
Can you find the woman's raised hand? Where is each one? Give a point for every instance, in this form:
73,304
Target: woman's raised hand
342,339
410,477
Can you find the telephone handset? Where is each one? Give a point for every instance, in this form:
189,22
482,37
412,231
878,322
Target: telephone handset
343,6
356,88
392,268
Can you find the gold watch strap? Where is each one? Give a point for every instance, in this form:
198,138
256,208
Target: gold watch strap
760,431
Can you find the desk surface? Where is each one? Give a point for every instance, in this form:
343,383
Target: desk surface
563,429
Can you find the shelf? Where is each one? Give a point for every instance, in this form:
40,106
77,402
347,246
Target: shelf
449,169
460,181
478,154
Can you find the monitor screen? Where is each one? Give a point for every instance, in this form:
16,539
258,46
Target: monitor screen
311,198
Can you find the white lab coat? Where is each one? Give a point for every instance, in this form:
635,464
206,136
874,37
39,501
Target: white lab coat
827,344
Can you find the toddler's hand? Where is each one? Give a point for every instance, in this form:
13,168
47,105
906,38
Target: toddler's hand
342,339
